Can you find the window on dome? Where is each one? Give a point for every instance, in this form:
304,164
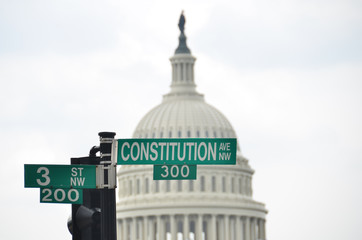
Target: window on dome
182,71
130,187
179,134
188,133
157,186
202,184
176,70
223,184
191,185
232,185
213,183
179,185
168,186
198,133
239,185
207,134
161,134
146,186
169,134
215,135
138,187
243,185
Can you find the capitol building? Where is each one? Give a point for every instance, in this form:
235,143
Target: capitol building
219,205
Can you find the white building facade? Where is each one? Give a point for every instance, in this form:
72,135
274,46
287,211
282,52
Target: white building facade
218,205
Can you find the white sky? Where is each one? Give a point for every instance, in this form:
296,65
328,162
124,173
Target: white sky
286,73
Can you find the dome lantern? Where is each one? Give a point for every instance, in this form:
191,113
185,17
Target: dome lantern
182,67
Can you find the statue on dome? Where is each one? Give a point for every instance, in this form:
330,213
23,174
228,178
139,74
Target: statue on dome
181,23
182,46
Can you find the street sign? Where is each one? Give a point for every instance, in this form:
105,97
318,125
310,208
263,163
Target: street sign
60,176
173,151
174,172
60,195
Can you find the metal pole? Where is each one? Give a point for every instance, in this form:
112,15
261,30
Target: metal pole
108,196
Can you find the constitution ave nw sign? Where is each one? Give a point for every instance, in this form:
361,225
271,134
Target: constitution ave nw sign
60,176
173,151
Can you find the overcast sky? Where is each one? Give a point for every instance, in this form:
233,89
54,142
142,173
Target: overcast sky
286,73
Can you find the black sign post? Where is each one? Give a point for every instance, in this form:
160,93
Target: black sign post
85,221
108,196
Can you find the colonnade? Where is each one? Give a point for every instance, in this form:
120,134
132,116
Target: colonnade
191,227
183,69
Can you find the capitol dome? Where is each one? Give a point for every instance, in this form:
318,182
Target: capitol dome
184,116
216,206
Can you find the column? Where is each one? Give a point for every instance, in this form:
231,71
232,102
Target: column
179,72
187,66
158,227
238,228
247,228
262,229
163,186
163,229
141,232
192,73
184,71
199,227
226,227
207,229
185,184
221,228
232,228
145,228
173,227
252,228
213,227
151,228
173,71
186,230
125,229
119,229
134,228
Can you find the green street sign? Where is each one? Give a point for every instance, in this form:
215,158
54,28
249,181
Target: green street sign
173,151
60,195
60,176
174,172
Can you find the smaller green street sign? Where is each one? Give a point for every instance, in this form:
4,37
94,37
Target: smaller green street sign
60,195
176,151
174,172
60,176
